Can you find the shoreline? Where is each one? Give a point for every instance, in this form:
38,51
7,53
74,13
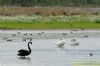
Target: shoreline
54,30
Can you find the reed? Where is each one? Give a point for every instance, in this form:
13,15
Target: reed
48,11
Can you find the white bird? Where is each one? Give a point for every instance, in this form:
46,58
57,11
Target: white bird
74,42
60,43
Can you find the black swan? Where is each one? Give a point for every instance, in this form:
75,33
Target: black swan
23,52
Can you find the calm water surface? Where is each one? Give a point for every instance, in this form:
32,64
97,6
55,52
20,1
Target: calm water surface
46,53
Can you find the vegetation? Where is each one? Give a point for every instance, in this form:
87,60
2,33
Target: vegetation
85,63
50,3
51,22
48,11
49,14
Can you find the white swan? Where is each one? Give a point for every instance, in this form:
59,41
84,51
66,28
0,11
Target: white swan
60,43
74,42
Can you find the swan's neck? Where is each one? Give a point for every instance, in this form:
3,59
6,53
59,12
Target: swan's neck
29,47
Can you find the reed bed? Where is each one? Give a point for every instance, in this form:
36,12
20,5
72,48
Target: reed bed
48,11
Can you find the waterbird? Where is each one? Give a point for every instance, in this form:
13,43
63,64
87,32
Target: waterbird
13,34
42,32
9,40
60,43
85,35
25,34
23,52
18,32
24,39
64,34
90,54
5,38
74,42
31,34
39,33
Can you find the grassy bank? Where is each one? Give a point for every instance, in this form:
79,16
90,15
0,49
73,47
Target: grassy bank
51,22
55,25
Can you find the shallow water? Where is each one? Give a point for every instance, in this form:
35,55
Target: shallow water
46,53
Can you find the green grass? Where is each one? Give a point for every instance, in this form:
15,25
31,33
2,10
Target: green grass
49,25
50,22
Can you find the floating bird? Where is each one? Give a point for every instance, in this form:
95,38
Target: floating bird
5,38
60,43
85,36
23,52
42,32
39,33
64,33
9,40
24,39
29,38
31,34
74,42
90,54
18,32
25,34
13,34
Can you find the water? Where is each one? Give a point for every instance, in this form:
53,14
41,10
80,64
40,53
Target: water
46,53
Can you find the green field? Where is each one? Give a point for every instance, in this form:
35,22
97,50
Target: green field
54,22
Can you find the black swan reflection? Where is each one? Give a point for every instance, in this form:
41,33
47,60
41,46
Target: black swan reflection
23,52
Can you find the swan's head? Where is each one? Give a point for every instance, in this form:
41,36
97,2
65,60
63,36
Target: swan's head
29,42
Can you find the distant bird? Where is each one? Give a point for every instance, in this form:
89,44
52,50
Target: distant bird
42,32
5,38
23,52
39,33
74,42
90,54
31,34
24,39
29,38
85,36
9,40
13,34
60,43
64,34
18,32
71,32
25,34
